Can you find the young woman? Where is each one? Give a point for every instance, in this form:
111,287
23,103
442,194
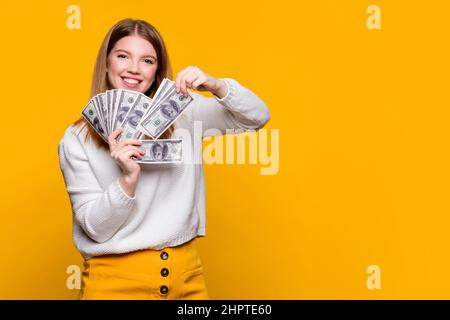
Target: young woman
135,225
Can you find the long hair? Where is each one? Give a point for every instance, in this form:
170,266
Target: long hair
100,83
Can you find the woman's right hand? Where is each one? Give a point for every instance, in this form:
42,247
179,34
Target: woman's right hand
122,152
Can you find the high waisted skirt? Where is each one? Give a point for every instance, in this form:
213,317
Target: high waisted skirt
169,273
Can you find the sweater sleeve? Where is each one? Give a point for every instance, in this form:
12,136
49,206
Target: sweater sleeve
100,213
239,109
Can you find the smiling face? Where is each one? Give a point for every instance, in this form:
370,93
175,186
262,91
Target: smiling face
132,64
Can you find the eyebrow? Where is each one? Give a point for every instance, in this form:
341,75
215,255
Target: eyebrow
131,54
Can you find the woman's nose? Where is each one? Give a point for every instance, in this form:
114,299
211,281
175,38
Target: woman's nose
133,67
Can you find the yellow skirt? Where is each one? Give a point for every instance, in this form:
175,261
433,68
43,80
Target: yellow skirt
170,273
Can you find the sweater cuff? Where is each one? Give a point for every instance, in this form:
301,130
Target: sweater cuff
228,91
232,100
121,195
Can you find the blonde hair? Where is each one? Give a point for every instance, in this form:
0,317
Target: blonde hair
100,83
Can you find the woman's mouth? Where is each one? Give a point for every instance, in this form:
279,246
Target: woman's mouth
131,83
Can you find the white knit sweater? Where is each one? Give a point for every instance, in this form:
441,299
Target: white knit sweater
168,208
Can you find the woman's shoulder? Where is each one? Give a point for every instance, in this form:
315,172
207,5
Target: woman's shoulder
71,132
71,144
72,137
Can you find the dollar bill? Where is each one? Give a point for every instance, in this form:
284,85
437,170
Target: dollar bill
113,110
125,104
91,115
134,117
161,151
115,107
163,88
109,103
101,110
164,113
104,107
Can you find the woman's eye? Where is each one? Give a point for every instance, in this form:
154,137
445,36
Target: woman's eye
121,56
148,61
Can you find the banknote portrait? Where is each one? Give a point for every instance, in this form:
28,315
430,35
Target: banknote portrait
159,151
170,110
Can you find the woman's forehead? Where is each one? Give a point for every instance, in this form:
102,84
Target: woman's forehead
135,45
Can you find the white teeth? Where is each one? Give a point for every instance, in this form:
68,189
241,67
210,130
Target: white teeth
131,81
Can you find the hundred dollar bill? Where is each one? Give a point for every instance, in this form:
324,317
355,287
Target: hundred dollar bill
126,102
104,106
115,107
98,112
102,112
134,117
164,113
113,110
161,151
109,104
90,114
163,88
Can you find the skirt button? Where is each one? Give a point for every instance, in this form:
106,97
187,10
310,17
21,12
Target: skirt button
164,272
164,255
164,289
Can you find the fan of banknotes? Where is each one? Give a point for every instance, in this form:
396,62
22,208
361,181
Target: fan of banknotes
140,115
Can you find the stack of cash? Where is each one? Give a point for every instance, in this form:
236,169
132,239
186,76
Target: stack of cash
140,115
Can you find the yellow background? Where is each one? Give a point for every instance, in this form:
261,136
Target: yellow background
363,122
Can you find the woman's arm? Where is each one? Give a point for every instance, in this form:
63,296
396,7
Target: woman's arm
235,107
240,108
100,213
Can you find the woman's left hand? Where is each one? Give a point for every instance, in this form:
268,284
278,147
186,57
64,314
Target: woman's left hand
195,78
